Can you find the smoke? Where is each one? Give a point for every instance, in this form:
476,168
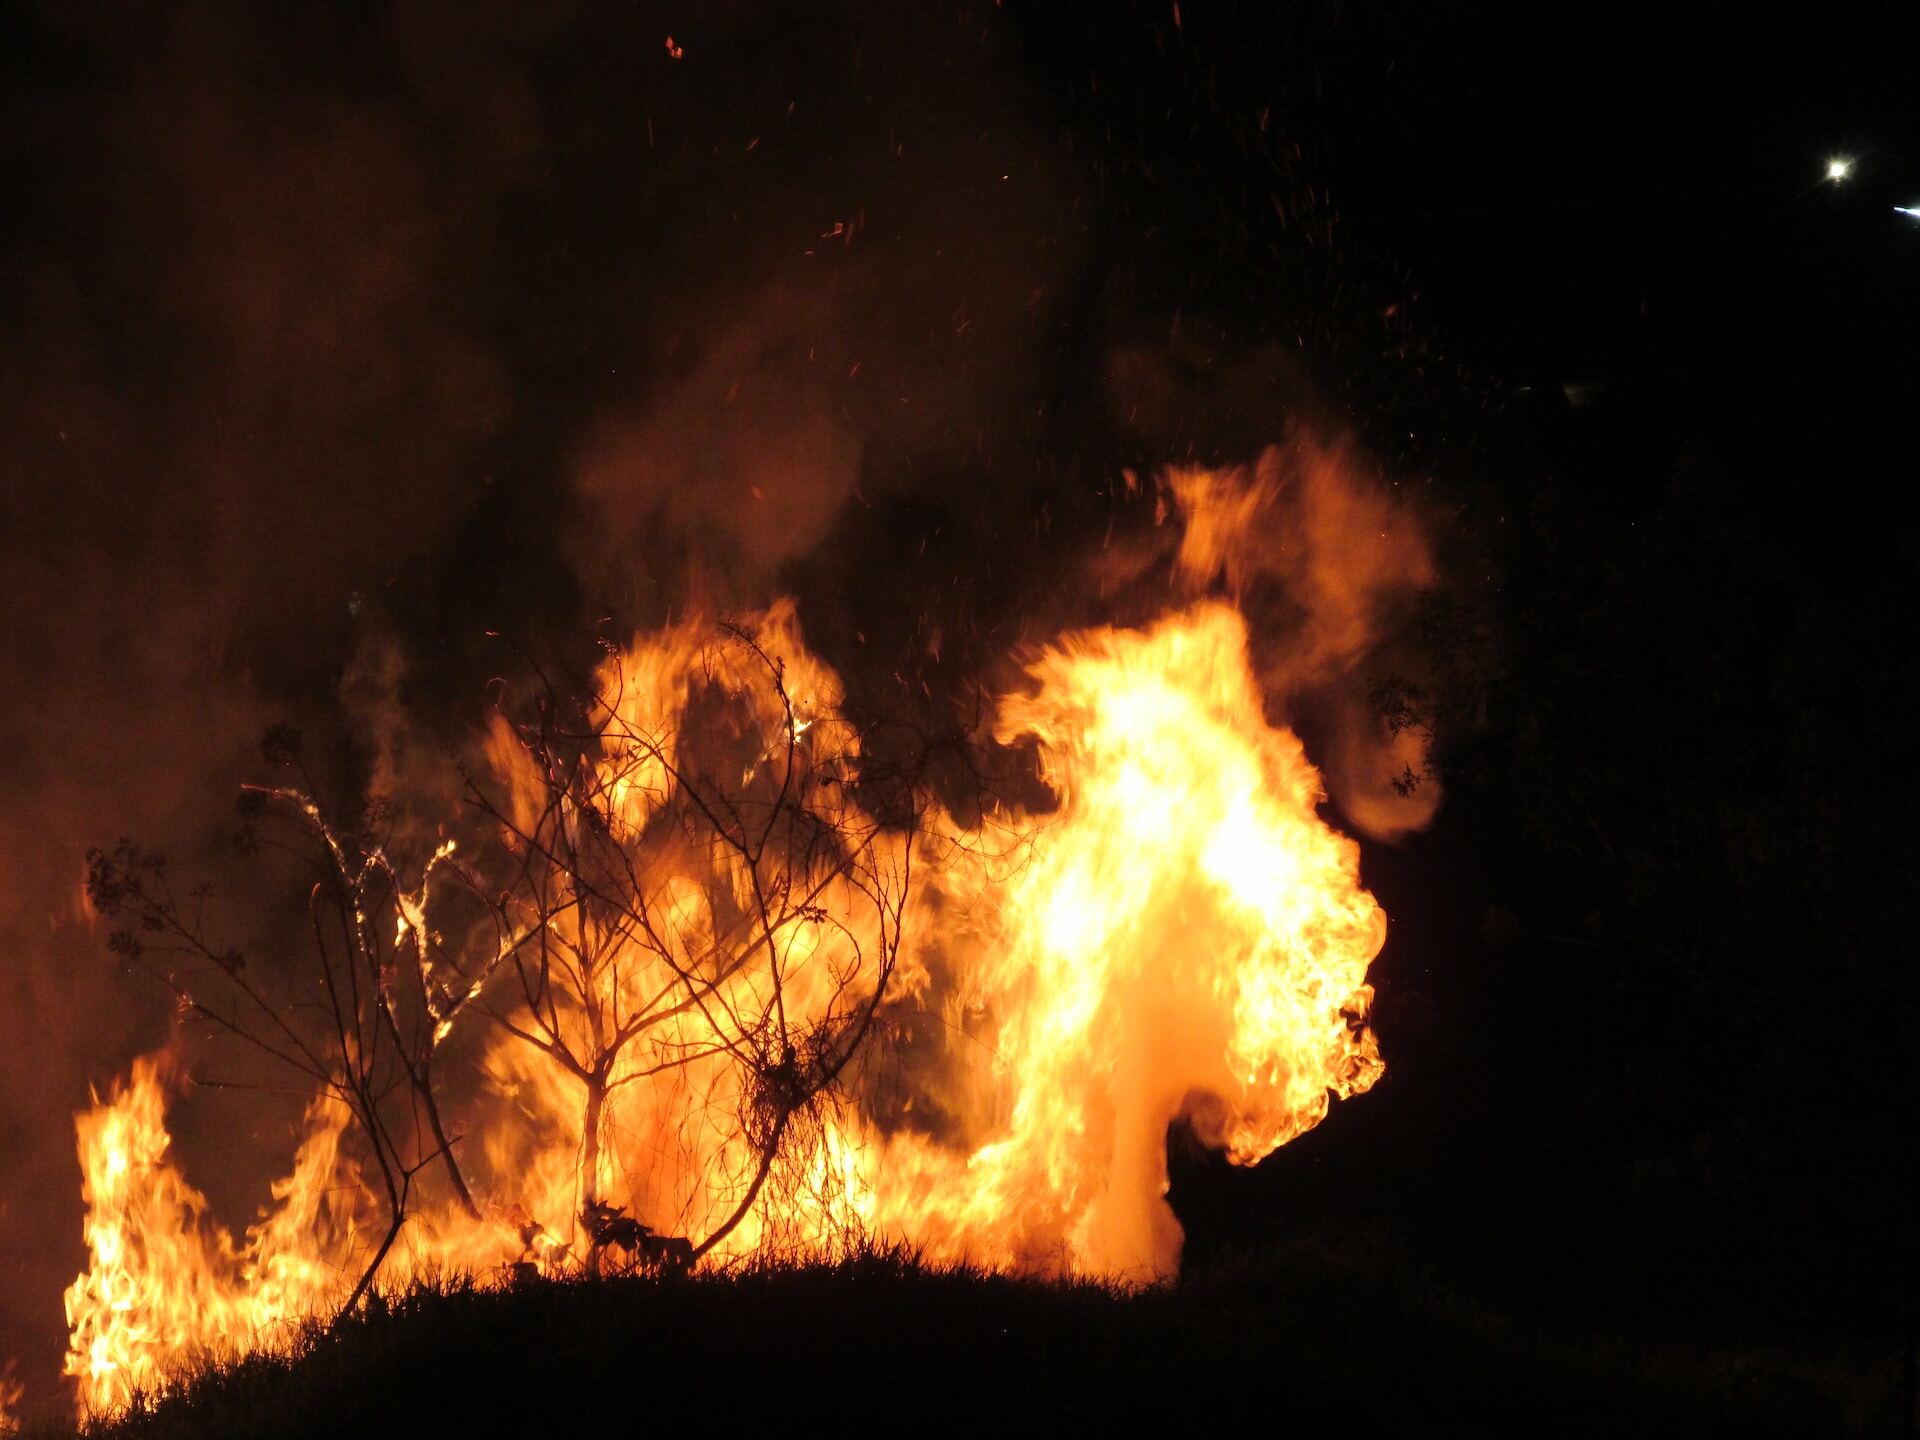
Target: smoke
1311,540
238,390
338,341
1324,550
747,460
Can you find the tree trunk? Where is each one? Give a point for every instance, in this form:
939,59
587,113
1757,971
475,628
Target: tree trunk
379,1259
590,1151
753,1191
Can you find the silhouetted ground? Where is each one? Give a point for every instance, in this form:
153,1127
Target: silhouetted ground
1320,1333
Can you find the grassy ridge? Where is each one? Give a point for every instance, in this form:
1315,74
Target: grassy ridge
1302,1338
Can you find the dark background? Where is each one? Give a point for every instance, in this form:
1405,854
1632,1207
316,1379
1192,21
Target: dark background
325,329
1648,995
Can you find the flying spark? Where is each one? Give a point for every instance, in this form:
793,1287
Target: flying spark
1913,210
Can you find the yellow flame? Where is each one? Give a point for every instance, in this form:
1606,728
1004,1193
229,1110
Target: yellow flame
166,1286
1183,927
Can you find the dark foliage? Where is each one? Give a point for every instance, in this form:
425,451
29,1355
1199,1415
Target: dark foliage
1320,1334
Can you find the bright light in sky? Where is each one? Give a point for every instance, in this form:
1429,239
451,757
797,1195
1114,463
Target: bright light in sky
1913,210
1839,168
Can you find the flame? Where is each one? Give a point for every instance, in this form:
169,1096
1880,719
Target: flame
1185,935
1179,936
165,1286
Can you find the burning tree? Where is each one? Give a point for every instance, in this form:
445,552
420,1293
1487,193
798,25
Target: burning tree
682,922
369,1042
700,920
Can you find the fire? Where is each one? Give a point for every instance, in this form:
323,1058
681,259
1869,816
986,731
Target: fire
164,1286
690,1068
1186,935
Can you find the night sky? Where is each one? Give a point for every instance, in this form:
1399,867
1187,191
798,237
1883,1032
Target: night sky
334,335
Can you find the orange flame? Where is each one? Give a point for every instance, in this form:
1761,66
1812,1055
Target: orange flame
11,1394
1185,935
1182,935
164,1286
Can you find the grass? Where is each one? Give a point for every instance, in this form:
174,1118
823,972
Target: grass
1310,1335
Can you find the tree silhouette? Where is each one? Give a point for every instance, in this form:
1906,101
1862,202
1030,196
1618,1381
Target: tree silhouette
707,893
